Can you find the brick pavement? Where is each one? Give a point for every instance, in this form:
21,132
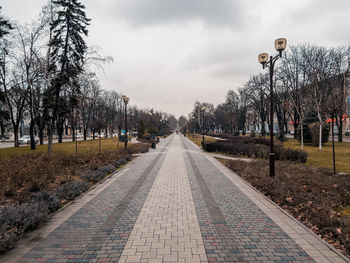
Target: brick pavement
99,230
239,224
176,204
167,228
234,229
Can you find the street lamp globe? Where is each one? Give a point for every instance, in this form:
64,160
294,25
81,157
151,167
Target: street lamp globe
125,98
280,44
263,58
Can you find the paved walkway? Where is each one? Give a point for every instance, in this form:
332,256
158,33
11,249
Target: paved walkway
173,204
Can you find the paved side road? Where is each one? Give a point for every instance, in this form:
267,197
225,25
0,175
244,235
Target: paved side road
173,204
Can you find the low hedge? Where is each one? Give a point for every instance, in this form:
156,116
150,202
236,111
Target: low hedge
244,139
250,148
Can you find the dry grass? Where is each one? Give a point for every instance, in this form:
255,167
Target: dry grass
317,158
88,146
25,172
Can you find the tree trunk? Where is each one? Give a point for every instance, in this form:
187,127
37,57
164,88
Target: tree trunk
41,135
50,137
40,124
99,142
60,132
2,127
320,138
340,129
333,150
281,129
76,145
15,133
73,133
295,125
301,134
31,133
85,133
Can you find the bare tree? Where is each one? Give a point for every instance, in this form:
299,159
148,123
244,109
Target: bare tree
28,45
232,114
341,73
317,67
294,80
257,88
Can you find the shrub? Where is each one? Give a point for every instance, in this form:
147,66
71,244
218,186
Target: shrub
306,134
254,147
50,198
70,190
311,133
315,132
290,155
106,169
245,140
93,176
16,220
117,164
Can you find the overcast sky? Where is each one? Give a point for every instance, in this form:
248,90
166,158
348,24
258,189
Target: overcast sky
170,53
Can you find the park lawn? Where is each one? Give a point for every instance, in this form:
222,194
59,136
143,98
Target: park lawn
198,139
323,158
88,146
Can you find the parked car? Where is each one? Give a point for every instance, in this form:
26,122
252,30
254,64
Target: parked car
26,139
4,137
292,132
347,132
80,136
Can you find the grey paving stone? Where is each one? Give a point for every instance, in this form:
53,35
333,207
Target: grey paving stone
106,221
227,216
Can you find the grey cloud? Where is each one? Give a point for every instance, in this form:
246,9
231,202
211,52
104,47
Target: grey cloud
221,60
150,12
316,11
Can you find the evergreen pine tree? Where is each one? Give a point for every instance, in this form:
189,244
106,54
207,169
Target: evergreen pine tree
141,129
67,52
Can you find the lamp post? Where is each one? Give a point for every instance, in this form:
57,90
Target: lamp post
269,62
203,109
126,100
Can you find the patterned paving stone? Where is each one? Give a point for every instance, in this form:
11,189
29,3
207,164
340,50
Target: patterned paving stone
98,231
167,228
233,228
